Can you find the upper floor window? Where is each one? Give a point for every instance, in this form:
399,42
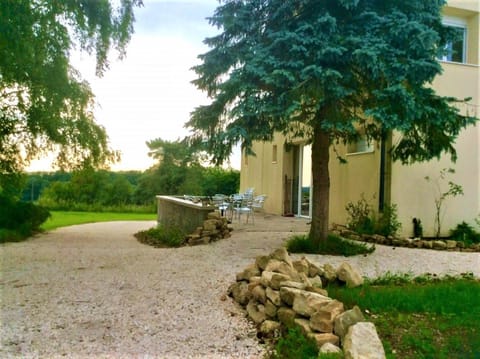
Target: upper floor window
362,145
456,49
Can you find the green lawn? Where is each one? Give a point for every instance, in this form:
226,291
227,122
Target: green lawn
422,319
64,219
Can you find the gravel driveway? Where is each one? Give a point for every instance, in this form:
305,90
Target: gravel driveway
94,291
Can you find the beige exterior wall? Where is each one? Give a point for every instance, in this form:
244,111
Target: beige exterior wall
406,185
414,195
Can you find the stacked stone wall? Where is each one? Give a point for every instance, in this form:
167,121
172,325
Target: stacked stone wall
279,293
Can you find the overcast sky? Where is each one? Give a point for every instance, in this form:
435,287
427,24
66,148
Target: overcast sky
149,94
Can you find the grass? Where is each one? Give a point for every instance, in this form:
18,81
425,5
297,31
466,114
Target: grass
421,317
63,218
333,245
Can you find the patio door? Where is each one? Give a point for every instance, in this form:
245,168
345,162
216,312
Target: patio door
302,181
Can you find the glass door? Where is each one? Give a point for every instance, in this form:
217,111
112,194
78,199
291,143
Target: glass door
302,181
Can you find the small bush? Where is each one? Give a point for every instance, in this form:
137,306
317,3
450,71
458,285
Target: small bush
162,237
295,345
465,233
359,216
333,245
19,220
363,220
387,223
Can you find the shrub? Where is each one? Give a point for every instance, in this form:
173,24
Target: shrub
465,233
162,237
359,216
362,219
387,223
19,220
333,245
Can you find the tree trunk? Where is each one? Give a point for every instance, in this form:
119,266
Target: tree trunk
321,187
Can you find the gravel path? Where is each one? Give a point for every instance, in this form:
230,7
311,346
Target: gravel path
93,291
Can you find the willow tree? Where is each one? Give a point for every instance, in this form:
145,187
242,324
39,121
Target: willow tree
322,69
45,105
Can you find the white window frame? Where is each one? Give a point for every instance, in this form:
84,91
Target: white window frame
353,148
459,23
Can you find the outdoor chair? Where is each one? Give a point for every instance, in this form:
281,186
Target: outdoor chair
249,206
220,201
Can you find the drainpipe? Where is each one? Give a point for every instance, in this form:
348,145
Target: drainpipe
381,197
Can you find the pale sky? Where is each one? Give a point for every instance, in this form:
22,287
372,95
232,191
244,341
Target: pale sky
148,94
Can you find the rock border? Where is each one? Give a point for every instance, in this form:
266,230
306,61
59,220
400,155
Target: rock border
447,244
277,293
214,228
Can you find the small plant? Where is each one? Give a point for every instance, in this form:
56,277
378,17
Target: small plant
295,345
441,195
387,223
359,214
465,233
162,237
363,220
333,245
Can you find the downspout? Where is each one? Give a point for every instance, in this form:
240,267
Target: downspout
381,196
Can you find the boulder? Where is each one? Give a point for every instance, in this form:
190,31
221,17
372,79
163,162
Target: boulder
301,266
306,303
273,296
292,284
451,244
313,269
439,245
262,261
270,309
259,294
316,281
282,255
256,312
322,320
277,266
270,329
428,244
304,325
329,272
322,338
251,271
239,292
362,341
317,290
329,348
210,225
273,280
286,316
346,319
348,274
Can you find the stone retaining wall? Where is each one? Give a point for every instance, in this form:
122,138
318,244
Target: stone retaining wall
277,292
444,244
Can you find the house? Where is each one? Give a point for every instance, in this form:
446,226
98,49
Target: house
283,172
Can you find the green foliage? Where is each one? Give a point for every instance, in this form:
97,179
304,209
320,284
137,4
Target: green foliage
333,246
363,220
295,345
421,317
19,220
387,223
44,103
170,236
465,233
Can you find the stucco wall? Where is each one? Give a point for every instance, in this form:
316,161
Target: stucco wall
414,195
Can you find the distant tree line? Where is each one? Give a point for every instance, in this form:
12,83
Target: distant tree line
98,190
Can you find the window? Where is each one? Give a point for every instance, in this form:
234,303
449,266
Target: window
274,154
456,49
362,145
